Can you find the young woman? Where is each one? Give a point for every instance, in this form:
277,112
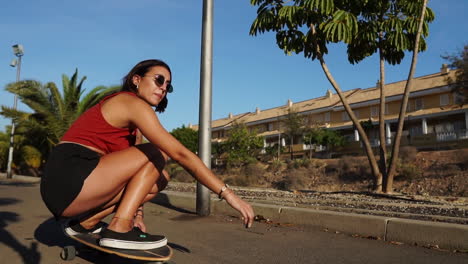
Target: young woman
97,169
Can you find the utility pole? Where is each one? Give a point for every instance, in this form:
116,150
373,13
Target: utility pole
204,135
18,51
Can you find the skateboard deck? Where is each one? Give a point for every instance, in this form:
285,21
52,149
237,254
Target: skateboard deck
161,254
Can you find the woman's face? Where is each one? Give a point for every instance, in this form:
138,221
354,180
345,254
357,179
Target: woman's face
152,87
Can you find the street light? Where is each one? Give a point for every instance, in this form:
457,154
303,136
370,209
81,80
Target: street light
19,52
204,137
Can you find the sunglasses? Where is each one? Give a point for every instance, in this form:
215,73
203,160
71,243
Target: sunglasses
159,80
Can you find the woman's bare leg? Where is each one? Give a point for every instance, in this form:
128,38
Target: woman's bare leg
126,178
110,208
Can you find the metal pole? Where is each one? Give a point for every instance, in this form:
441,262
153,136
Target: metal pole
204,135
12,133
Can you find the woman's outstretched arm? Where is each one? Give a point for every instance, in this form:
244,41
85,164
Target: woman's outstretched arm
144,117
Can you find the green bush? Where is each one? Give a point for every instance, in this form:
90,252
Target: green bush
276,165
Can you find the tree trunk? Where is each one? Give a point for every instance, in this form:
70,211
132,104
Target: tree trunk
291,147
382,137
388,188
370,155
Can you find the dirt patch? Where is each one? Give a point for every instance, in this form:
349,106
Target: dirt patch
430,186
435,173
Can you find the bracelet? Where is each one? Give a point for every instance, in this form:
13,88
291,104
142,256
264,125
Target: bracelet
137,212
224,188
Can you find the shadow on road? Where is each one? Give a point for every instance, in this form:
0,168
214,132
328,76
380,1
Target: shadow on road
8,201
50,233
17,183
29,255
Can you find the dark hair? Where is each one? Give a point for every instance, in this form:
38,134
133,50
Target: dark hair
141,69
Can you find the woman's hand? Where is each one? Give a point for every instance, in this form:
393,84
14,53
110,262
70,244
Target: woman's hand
138,220
243,207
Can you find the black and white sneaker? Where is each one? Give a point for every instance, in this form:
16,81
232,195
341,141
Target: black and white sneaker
133,239
73,228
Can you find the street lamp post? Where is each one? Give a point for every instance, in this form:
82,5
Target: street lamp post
19,52
204,136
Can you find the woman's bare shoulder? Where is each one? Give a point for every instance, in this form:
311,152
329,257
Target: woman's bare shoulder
125,100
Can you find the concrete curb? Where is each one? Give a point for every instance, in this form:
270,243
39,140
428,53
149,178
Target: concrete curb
414,232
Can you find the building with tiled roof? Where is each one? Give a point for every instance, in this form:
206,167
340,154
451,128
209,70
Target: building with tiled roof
433,116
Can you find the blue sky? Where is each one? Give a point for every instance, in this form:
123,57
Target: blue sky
104,39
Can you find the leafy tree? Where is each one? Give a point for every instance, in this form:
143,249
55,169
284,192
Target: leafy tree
242,146
325,137
293,125
4,144
460,82
27,159
52,113
187,136
273,152
388,27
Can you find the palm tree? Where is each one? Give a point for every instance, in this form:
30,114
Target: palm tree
27,158
52,112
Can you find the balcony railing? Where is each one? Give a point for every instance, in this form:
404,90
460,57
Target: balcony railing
452,135
416,140
314,147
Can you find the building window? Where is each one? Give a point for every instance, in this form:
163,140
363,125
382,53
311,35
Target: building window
409,106
345,116
326,117
418,104
415,131
374,111
387,111
270,126
356,113
444,99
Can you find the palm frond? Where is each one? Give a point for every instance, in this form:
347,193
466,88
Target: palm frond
94,96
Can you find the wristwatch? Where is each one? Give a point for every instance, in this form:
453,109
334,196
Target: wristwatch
224,188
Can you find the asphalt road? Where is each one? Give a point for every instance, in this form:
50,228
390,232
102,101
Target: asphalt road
28,234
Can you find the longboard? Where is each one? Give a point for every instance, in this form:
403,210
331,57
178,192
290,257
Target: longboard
160,255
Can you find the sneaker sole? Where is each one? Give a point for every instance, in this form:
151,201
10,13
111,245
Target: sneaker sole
122,244
70,232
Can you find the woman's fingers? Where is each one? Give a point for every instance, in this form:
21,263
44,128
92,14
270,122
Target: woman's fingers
244,209
250,218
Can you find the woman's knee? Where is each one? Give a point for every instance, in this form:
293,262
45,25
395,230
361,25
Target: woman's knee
154,155
160,184
163,180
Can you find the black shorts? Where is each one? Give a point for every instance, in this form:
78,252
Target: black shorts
66,169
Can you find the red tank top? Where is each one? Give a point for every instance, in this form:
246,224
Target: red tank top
91,129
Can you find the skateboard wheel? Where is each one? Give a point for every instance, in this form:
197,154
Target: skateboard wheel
68,253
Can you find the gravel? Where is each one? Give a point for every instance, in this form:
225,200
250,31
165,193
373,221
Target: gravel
420,207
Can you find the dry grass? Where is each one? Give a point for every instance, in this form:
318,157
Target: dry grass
433,173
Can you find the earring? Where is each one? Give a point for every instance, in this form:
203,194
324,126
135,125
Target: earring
137,86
